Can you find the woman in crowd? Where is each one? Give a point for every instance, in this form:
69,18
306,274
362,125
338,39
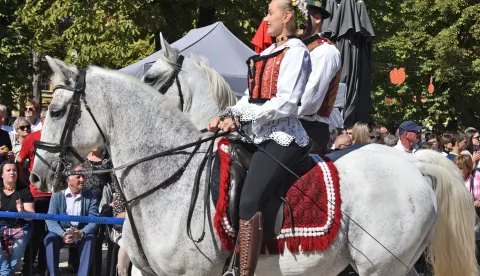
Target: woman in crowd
472,147
15,197
360,133
22,128
445,146
376,137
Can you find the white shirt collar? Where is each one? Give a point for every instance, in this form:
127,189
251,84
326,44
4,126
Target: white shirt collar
400,146
290,43
68,193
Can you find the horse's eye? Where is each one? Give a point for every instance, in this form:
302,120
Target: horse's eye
56,113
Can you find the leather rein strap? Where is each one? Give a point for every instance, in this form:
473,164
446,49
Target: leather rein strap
174,78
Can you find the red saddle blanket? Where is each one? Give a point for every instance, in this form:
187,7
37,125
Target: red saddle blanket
314,200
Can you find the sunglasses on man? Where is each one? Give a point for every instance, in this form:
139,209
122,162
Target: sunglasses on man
30,109
22,128
378,137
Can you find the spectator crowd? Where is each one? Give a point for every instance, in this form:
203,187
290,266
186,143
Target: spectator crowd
100,194
39,242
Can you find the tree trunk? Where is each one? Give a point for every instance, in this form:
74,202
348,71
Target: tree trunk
37,93
206,16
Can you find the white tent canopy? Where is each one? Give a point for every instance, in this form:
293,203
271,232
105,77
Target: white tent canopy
225,53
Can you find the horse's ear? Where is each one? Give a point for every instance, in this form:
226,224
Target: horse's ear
62,72
165,46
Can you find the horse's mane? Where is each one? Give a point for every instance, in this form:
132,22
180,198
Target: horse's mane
222,93
122,77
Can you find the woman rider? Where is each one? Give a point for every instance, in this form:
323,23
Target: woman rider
277,79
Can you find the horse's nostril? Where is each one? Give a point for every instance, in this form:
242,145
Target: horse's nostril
149,80
34,178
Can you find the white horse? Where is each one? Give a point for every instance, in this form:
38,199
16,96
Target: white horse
207,93
389,198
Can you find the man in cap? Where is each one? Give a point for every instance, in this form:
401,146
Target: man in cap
409,132
322,87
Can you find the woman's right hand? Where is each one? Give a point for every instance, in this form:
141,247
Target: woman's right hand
213,124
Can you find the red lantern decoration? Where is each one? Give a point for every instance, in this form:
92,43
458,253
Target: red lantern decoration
397,76
414,99
431,88
388,100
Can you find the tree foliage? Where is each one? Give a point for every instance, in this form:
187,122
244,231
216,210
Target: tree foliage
13,55
429,38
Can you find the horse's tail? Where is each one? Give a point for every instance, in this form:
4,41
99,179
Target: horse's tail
452,248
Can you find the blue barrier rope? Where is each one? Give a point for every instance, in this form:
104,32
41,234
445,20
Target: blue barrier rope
87,219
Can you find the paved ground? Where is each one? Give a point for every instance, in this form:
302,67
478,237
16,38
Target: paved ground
64,262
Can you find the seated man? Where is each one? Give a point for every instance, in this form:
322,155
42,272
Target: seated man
74,201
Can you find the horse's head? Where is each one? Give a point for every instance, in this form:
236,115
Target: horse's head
69,131
163,73
190,83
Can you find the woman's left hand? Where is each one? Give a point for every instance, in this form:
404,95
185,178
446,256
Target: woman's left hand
19,205
227,125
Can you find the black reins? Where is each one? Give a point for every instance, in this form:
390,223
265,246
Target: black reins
174,78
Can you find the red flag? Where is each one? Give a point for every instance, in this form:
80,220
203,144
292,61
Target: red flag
262,40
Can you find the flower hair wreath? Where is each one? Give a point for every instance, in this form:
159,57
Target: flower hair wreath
302,7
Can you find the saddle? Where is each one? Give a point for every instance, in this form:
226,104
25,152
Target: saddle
299,216
240,163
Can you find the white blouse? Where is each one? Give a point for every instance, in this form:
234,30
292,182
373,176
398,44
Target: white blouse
326,62
276,119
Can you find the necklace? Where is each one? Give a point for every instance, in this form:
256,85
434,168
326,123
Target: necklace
9,188
284,38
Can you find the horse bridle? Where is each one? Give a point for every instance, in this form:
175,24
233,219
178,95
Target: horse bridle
174,78
64,165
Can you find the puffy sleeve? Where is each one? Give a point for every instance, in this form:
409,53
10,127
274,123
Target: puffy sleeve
293,75
325,65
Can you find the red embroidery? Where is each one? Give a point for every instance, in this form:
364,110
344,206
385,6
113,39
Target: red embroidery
317,214
264,84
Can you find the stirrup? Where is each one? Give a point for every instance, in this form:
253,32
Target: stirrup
231,269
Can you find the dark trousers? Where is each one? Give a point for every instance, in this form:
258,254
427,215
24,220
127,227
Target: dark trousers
36,242
319,133
53,244
265,176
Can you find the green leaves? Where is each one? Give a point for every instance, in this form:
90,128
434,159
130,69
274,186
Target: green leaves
428,38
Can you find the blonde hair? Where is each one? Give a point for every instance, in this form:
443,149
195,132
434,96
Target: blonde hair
286,6
360,133
464,161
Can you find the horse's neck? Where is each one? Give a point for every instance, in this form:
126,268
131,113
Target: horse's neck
138,124
203,105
